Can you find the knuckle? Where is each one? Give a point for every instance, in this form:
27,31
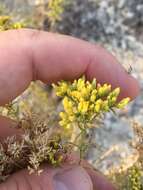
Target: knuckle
34,34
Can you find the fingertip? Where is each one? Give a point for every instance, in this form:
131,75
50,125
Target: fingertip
106,69
134,88
98,179
131,88
8,128
73,179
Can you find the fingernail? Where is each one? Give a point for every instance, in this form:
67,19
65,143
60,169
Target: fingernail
73,179
60,186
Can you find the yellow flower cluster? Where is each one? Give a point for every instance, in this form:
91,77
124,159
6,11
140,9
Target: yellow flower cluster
83,101
6,23
55,9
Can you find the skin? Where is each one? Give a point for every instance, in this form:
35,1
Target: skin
27,55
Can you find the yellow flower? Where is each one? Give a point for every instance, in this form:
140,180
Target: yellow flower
72,118
91,107
80,84
104,90
123,103
83,106
63,115
75,94
93,98
17,25
112,97
89,86
105,106
94,92
61,90
98,105
85,93
68,105
116,92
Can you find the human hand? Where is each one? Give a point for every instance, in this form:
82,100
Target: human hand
27,55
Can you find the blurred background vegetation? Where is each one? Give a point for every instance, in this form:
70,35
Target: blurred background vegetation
116,25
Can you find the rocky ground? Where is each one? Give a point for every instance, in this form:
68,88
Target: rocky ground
117,25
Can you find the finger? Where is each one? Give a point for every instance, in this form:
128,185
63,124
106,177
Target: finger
8,128
99,181
68,178
27,55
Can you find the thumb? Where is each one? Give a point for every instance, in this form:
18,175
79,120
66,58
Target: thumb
74,178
